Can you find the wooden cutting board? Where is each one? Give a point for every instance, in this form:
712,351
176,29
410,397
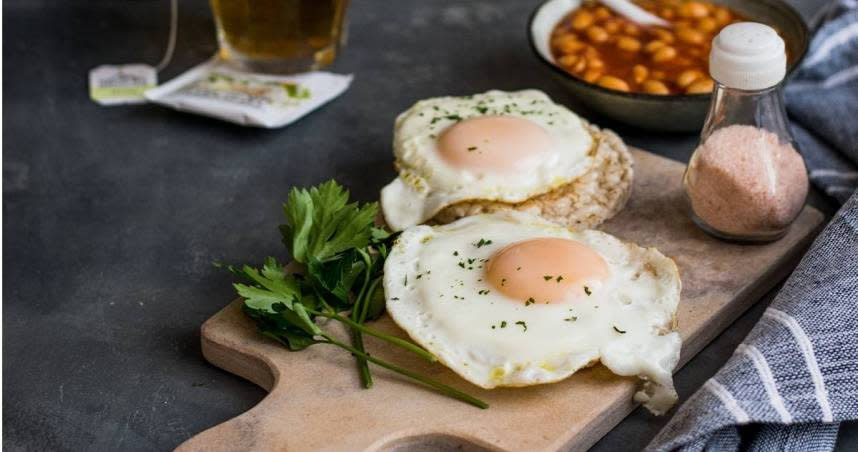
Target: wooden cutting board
316,403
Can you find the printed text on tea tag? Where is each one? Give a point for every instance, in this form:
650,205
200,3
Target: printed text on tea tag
125,84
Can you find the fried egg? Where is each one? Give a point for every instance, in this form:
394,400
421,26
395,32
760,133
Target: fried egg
496,146
509,299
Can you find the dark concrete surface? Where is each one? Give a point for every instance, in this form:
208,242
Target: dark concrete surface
113,216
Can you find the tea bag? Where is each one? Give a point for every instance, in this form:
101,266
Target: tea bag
125,84
262,100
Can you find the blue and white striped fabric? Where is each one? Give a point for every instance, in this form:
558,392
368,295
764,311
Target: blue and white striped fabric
795,377
822,101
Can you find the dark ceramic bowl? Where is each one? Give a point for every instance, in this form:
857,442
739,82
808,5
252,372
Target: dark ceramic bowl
674,113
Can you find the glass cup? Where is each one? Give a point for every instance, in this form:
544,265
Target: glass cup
279,36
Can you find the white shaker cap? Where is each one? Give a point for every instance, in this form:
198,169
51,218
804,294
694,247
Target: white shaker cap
748,56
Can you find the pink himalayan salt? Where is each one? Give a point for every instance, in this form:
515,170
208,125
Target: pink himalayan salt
744,181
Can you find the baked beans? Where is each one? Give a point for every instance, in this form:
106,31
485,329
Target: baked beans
599,46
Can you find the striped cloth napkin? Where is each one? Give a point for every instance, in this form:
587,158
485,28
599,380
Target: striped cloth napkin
822,101
795,377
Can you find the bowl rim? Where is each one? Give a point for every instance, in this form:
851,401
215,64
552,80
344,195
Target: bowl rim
804,33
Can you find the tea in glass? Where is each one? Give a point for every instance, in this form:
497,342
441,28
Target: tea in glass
279,36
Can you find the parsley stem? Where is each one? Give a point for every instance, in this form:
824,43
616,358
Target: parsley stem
367,262
367,299
359,312
363,368
385,337
359,315
426,381
321,299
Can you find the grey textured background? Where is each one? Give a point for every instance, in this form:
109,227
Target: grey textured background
113,216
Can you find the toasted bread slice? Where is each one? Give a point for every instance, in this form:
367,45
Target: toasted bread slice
584,203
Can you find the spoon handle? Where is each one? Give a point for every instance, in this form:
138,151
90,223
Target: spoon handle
635,13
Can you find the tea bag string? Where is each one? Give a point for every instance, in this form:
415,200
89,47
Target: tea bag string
171,40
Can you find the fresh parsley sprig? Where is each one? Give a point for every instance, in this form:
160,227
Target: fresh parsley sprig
332,238
342,254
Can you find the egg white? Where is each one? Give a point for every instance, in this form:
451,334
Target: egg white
427,183
437,292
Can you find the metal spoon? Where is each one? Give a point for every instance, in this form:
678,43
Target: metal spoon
635,13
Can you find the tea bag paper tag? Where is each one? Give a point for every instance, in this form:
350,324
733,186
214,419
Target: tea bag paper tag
125,84
250,99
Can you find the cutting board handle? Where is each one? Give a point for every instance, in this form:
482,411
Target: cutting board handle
241,433
264,427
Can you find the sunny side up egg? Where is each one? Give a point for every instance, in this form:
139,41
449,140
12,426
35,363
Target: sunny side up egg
509,299
498,146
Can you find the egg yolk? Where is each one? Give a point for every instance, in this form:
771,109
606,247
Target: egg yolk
546,270
494,143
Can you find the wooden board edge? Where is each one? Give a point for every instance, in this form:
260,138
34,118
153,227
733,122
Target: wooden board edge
247,365
751,296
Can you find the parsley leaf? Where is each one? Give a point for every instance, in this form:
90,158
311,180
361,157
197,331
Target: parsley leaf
320,224
338,276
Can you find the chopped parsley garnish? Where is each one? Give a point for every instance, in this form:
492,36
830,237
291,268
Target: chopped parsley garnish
503,324
419,275
529,301
518,268
587,291
619,330
472,148
461,264
471,261
503,282
571,319
521,322
455,253
560,278
395,298
483,292
482,109
481,243
454,117
405,283
548,277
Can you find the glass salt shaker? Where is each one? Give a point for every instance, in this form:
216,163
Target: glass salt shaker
746,181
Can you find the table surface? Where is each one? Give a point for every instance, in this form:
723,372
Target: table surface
112,216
